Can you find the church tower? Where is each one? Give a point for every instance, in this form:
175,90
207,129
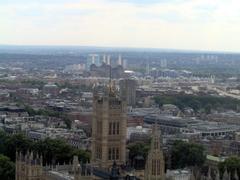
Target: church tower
108,128
155,166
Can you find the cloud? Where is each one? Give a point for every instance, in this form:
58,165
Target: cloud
189,24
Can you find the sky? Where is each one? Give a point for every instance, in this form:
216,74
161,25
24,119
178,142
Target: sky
212,25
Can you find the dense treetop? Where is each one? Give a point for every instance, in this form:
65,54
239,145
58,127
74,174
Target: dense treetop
205,103
53,150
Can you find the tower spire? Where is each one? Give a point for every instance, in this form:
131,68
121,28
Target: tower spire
111,86
155,160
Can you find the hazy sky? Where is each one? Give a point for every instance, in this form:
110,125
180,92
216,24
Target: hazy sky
177,24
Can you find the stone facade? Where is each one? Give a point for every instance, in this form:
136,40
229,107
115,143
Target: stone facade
155,167
29,167
108,129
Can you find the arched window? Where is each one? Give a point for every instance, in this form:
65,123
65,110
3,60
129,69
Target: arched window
114,128
109,153
110,128
117,128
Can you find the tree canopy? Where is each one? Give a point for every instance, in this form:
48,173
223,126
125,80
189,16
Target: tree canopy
200,102
185,154
48,112
138,149
7,168
53,150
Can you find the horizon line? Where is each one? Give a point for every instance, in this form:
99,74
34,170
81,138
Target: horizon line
126,47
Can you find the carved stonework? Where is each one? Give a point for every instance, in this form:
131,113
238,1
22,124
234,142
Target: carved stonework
108,129
29,167
155,161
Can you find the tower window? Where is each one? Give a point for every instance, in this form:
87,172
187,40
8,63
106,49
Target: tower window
99,127
158,167
153,167
109,154
110,128
117,153
155,144
114,128
98,152
117,128
113,153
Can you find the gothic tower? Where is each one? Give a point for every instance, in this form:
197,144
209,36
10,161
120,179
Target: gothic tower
108,128
155,166
29,167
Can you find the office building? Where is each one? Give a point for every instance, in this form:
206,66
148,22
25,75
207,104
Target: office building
128,91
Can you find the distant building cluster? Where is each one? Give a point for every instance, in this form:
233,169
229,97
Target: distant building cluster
104,102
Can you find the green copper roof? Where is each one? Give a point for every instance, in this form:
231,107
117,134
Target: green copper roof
215,158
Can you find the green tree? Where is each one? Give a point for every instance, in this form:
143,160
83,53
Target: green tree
30,111
185,154
16,142
58,151
54,150
83,156
208,108
3,137
7,168
138,149
198,102
68,122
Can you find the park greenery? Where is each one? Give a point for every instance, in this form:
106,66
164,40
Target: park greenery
53,151
199,103
42,112
184,154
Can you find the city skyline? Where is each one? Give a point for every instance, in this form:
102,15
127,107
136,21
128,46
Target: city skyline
176,24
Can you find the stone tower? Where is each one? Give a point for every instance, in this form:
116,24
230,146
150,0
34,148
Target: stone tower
108,128
29,167
155,166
